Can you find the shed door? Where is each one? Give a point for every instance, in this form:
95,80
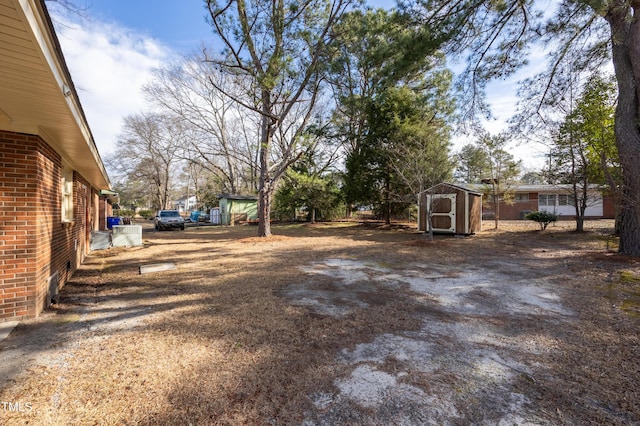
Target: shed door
443,212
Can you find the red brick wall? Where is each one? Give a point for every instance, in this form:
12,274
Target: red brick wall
35,243
106,210
18,189
82,201
511,211
514,210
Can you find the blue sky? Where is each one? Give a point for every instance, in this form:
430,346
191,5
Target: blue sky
113,50
113,47
180,24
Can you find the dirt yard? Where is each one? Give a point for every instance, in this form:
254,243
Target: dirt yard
335,324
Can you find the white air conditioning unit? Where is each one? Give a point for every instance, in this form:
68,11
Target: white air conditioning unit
126,236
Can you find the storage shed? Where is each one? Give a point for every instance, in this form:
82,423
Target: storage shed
237,208
453,209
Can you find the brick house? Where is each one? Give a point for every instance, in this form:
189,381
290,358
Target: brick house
552,198
54,189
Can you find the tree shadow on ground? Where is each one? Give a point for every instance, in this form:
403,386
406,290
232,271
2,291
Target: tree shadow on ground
219,341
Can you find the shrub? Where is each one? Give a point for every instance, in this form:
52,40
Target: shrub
147,214
543,218
123,213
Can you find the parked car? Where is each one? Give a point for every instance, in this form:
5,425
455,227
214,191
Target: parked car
167,219
198,216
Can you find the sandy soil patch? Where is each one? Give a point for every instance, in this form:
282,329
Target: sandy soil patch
337,324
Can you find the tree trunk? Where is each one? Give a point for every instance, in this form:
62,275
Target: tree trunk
265,194
580,199
264,212
625,35
584,204
579,211
430,218
265,197
496,206
387,203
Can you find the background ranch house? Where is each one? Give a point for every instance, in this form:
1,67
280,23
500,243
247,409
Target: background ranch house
54,189
551,198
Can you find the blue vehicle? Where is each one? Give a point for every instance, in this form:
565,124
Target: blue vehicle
198,216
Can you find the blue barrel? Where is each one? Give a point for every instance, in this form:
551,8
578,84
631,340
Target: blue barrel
112,221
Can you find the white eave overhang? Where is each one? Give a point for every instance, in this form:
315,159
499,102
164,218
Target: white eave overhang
37,95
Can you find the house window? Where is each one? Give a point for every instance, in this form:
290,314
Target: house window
563,200
522,197
67,194
546,199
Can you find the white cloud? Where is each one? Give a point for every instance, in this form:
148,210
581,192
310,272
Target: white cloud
109,65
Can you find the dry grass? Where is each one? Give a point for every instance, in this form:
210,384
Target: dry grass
216,341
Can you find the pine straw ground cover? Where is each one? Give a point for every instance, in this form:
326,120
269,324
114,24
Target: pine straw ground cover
337,324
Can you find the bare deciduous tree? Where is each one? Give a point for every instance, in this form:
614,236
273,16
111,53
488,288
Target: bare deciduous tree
149,152
277,47
224,141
